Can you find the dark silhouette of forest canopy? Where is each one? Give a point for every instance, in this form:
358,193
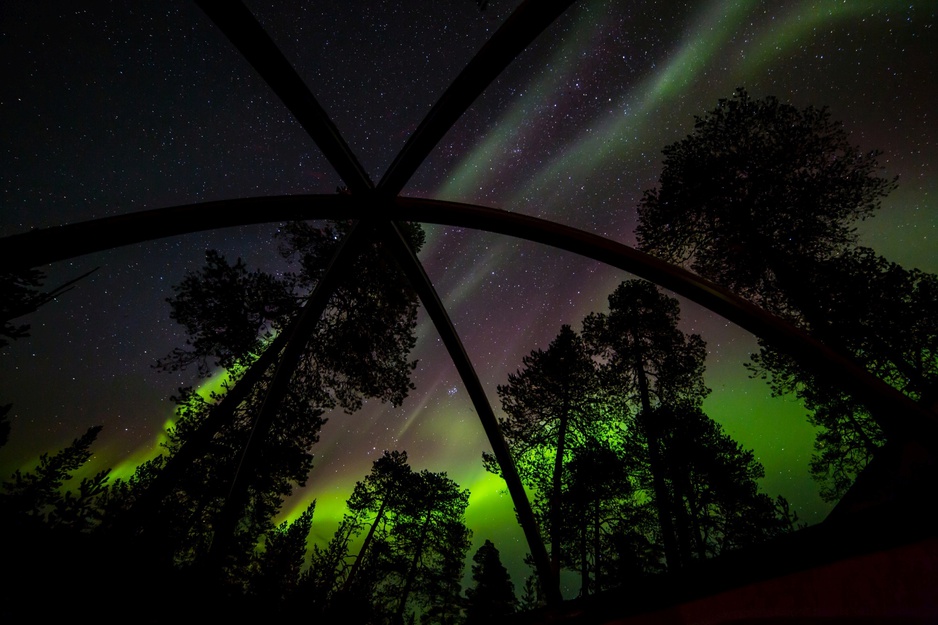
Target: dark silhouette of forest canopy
630,478
764,198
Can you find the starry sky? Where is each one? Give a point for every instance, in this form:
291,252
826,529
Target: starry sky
113,108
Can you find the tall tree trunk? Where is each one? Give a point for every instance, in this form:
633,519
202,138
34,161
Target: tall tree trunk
557,490
597,552
684,521
693,516
662,498
584,559
365,545
415,561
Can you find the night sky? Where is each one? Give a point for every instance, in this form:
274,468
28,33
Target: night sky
115,108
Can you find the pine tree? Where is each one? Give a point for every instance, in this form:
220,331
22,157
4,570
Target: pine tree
551,410
492,595
276,570
411,558
51,529
599,503
886,318
212,500
712,482
36,496
701,483
647,362
758,194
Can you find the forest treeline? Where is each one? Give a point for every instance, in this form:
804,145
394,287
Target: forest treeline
629,476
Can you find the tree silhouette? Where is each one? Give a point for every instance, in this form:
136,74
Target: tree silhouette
886,318
759,193
702,483
763,198
228,313
382,493
492,595
180,530
412,556
50,528
599,511
551,408
361,343
36,497
711,481
218,503
431,539
647,362
276,570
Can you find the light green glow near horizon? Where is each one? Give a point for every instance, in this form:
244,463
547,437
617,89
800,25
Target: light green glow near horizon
488,504
214,384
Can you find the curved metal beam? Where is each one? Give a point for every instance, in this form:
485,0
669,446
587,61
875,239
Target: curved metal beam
527,22
895,412
56,243
252,41
410,265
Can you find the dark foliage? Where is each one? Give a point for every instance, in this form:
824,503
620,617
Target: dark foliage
711,483
629,476
228,312
551,408
21,294
701,483
492,595
760,191
36,497
644,357
603,526
361,343
411,559
276,570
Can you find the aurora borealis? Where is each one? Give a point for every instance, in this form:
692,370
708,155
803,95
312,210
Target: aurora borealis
112,109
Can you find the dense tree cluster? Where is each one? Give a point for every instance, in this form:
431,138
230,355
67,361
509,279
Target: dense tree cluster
764,198
492,595
208,503
411,558
630,476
